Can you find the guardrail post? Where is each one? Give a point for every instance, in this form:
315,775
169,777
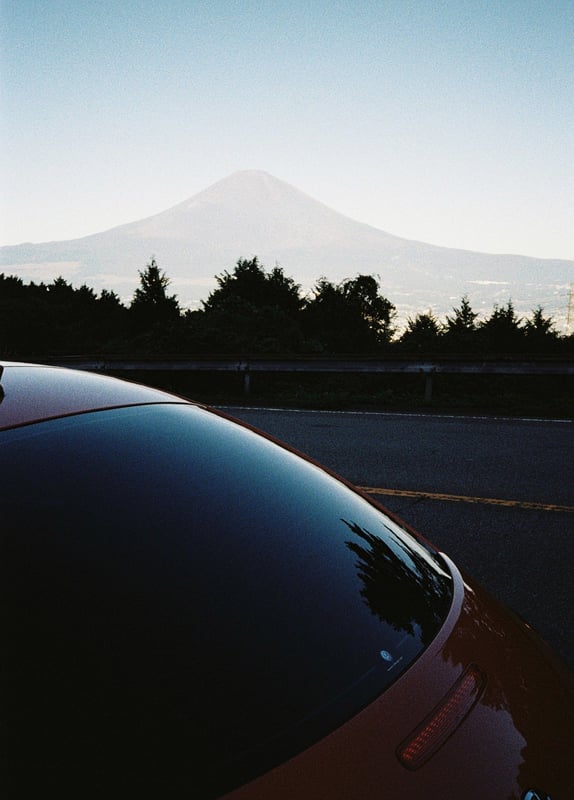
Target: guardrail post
428,388
428,385
243,366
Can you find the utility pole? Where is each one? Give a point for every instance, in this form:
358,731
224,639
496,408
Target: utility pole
570,319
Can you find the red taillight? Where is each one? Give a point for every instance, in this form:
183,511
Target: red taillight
443,720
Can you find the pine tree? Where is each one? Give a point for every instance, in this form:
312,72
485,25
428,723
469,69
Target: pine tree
151,304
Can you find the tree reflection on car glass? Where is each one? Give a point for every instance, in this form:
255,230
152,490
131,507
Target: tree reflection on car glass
393,584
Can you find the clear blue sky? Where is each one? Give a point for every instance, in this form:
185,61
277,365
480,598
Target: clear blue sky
447,121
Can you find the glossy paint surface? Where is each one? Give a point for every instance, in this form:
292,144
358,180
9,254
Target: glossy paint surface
249,628
518,736
92,599
29,393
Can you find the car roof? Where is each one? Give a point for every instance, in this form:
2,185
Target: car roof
33,392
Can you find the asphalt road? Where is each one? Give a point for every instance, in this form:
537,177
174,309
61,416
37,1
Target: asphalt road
441,474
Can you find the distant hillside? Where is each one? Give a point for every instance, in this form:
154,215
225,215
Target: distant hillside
252,213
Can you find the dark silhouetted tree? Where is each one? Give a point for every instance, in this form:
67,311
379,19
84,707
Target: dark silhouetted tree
251,311
351,317
377,312
501,332
57,319
539,332
254,286
460,332
151,305
423,333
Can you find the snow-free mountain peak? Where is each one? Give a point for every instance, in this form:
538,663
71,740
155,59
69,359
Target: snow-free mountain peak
263,214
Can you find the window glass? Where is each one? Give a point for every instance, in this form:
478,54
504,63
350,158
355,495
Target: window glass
184,596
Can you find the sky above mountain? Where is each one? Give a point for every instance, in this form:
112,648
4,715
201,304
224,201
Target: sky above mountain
448,122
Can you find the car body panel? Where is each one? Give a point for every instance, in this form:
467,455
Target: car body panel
34,392
516,737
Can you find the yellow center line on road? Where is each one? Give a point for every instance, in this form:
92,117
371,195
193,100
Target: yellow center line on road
461,498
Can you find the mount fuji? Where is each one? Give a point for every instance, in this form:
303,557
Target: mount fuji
252,213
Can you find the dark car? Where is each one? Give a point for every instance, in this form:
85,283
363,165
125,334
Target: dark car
190,608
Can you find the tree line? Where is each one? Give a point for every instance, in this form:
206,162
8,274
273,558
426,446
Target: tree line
253,311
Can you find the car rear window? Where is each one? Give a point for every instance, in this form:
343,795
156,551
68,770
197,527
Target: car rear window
182,596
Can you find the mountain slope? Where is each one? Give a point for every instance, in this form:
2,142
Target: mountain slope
252,213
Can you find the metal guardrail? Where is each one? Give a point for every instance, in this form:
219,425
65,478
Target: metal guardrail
356,365
247,366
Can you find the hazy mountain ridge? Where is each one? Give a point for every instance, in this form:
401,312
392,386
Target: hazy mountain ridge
252,213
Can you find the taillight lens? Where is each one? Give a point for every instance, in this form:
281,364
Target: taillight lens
443,720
